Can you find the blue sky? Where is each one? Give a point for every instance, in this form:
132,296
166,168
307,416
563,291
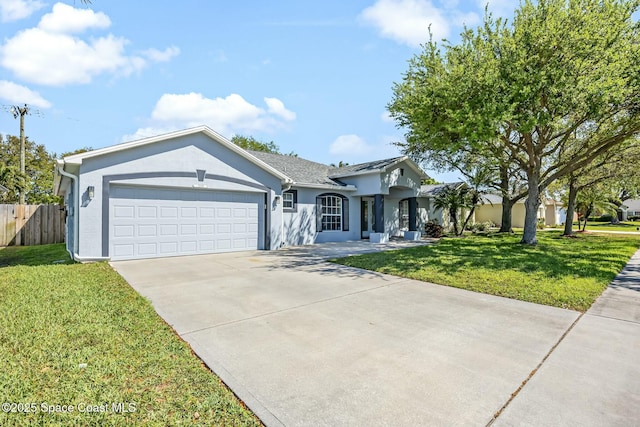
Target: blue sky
314,77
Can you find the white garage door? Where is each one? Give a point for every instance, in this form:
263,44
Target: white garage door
147,222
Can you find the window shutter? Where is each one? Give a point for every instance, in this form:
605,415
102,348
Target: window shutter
345,214
318,214
295,199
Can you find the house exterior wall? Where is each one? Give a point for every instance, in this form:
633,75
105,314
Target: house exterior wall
179,156
366,185
386,183
426,213
551,215
493,213
299,226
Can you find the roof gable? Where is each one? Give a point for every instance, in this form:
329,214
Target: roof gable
376,166
77,159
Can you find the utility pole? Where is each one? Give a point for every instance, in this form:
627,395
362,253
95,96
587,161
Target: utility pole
21,111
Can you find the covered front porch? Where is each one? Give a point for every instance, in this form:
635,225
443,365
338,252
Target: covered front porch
386,216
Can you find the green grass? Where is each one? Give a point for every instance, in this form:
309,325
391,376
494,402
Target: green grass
562,272
55,317
627,227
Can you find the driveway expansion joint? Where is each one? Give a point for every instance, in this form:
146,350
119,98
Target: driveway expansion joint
635,322
532,374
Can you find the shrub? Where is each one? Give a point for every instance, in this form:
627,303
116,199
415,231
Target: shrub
602,218
481,226
433,229
540,224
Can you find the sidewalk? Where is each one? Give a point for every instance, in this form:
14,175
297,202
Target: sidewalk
593,377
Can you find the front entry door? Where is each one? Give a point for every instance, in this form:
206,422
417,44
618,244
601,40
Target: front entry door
367,217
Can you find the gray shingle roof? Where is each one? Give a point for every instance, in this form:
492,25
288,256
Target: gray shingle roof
300,170
364,167
303,171
431,190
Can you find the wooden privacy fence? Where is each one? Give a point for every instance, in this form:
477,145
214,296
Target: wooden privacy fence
28,225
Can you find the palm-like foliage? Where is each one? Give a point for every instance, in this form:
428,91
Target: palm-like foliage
452,200
592,200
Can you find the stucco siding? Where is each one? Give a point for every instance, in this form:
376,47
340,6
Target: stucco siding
489,212
167,164
300,226
401,176
366,184
493,213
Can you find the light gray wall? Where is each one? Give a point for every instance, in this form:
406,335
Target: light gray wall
426,212
367,185
409,180
180,155
300,226
383,183
69,221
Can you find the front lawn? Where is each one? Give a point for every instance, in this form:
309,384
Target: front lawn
562,272
626,227
78,346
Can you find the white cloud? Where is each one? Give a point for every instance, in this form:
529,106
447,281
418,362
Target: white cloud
277,107
355,149
349,145
407,21
17,94
386,118
226,116
67,19
49,55
156,55
14,10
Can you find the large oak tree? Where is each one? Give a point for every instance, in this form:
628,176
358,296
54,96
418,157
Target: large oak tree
526,89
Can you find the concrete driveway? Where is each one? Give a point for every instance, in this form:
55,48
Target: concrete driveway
304,342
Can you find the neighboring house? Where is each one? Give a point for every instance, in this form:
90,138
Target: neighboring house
193,192
425,202
630,208
551,211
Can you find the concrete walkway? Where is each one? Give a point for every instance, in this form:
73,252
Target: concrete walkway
593,377
304,342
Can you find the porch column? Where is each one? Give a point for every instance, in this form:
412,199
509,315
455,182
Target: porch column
413,211
378,213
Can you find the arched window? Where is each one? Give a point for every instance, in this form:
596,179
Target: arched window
332,212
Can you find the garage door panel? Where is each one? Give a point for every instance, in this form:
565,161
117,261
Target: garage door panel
149,222
123,251
120,211
168,248
168,212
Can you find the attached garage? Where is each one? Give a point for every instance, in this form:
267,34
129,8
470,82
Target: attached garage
147,222
189,192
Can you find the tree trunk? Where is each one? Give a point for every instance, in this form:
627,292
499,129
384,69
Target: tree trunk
571,207
507,208
531,208
587,214
507,203
454,218
466,221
